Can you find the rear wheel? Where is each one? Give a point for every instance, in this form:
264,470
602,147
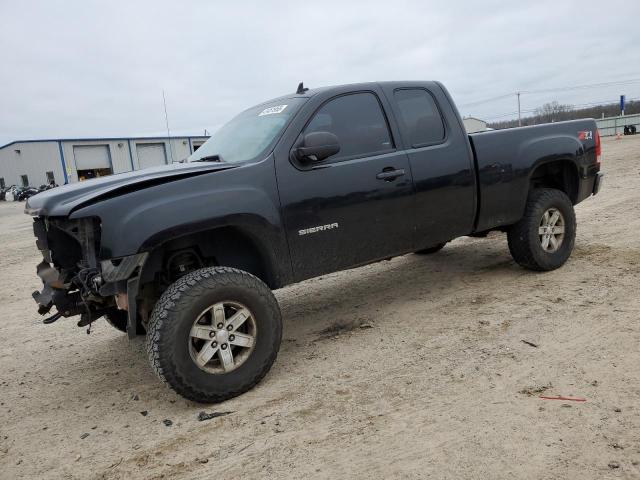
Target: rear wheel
543,239
214,334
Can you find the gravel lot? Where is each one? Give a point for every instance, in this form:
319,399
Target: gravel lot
412,368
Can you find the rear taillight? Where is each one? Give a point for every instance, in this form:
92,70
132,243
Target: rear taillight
598,147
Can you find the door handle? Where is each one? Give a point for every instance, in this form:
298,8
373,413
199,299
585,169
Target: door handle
389,174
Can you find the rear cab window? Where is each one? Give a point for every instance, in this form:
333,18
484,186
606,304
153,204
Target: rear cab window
419,117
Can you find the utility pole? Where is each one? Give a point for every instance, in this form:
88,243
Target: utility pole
166,119
519,115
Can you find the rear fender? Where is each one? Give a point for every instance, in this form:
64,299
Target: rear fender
535,153
507,161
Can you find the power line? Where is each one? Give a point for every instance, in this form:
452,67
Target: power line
630,81
584,87
575,106
487,100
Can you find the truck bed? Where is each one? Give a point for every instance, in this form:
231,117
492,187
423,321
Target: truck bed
505,160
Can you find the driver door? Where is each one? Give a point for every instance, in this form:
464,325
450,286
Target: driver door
355,206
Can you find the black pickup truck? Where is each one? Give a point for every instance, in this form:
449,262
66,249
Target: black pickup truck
309,183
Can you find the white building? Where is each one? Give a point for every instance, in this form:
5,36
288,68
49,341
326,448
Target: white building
38,162
473,125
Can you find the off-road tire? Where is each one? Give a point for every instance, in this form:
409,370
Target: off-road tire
523,238
172,319
430,250
118,319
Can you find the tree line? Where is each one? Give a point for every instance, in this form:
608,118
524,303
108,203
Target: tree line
558,112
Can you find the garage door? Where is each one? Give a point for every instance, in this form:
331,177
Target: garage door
91,157
151,154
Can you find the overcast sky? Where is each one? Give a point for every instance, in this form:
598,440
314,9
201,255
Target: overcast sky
83,68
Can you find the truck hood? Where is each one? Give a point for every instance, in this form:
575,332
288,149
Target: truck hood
61,201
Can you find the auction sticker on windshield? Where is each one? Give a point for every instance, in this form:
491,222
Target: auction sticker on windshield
272,110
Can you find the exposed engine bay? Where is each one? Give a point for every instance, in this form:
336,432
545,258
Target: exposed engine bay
77,282
74,280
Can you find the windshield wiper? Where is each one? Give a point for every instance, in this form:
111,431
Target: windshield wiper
209,158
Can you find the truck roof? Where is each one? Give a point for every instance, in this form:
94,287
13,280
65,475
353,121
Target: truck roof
310,92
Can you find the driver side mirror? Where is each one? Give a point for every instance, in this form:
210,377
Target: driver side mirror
317,146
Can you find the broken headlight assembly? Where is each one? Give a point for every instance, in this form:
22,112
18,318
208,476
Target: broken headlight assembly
70,271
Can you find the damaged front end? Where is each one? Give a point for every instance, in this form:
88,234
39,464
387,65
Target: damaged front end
75,281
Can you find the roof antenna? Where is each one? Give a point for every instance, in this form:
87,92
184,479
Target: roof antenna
301,89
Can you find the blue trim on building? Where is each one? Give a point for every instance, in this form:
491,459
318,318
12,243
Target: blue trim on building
105,139
110,160
130,154
64,167
166,158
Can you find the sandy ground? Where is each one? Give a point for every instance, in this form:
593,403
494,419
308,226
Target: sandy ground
438,383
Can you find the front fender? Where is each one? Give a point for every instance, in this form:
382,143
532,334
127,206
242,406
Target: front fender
244,197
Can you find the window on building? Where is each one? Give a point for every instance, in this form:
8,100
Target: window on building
25,180
358,122
51,178
420,118
2,183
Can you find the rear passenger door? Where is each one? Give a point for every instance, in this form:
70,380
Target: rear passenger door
353,207
441,163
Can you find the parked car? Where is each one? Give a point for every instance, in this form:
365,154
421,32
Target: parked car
310,183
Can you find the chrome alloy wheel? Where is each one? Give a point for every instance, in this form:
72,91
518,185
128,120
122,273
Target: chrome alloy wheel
551,230
222,337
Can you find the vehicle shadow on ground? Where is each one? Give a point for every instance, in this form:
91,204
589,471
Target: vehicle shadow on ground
308,309
408,278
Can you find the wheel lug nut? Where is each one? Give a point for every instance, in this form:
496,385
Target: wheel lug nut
224,346
229,327
232,338
220,325
212,334
214,344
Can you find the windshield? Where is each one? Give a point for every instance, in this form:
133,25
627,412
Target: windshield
251,133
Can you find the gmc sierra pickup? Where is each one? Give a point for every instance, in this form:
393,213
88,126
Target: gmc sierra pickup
309,183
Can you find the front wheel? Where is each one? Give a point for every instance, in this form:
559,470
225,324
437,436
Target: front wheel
214,334
118,319
543,239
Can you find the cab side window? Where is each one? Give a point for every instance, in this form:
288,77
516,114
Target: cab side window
419,117
358,122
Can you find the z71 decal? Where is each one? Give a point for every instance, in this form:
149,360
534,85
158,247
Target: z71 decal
585,135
